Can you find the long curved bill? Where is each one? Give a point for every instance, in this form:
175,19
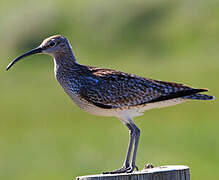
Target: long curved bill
34,51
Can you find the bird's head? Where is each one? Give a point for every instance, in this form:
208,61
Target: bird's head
55,46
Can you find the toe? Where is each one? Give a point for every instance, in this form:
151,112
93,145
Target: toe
121,170
129,169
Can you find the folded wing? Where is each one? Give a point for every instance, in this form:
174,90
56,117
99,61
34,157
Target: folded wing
116,89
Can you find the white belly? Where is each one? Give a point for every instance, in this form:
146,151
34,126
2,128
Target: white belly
131,111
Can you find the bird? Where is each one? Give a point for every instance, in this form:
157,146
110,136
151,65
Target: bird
108,92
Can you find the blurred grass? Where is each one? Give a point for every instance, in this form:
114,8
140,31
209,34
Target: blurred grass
43,135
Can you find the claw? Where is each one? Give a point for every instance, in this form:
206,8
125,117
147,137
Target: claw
136,168
123,169
130,170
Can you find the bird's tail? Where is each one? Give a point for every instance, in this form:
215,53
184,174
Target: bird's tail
199,97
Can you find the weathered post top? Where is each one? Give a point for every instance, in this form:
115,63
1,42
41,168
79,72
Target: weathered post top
173,172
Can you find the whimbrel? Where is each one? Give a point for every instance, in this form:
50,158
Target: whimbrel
107,92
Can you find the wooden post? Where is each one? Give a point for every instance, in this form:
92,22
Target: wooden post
172,172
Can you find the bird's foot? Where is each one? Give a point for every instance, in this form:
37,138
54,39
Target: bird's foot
123,169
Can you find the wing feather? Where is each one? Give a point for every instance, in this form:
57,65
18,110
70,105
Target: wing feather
116,89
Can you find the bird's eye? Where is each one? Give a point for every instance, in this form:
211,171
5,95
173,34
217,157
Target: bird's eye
52,43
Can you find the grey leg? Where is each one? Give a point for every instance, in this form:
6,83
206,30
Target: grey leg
127,159
126,165
134,138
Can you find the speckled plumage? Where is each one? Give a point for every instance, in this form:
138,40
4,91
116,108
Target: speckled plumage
110,89
108,92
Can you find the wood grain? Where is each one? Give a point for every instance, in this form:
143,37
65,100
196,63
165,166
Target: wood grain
170,172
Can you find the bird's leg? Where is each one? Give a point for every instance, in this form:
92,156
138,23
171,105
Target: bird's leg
131,134
136,138
126,165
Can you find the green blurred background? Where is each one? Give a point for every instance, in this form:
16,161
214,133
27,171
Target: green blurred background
44,135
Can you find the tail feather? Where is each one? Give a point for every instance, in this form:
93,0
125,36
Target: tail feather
184,94
199,97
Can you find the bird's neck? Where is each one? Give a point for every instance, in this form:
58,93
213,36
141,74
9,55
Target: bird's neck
66,56
64,60
65,66
67,72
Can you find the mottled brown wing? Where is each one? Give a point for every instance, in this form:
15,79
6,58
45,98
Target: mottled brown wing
114,89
